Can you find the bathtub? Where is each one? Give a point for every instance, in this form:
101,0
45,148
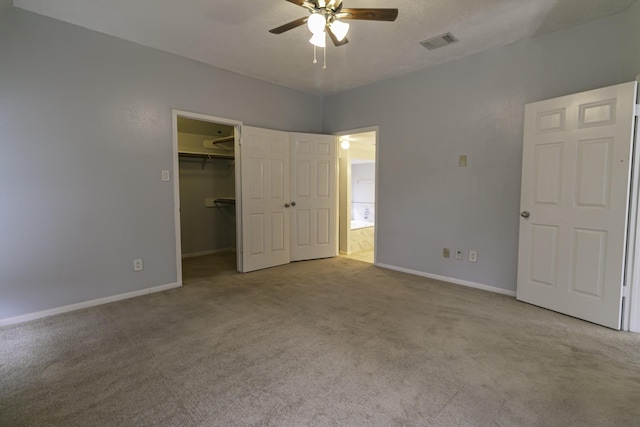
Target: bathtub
357,224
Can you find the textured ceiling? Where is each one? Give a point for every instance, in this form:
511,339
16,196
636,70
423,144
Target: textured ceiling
233,34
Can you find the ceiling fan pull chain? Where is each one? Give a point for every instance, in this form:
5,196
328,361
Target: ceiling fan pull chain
324,67
315,60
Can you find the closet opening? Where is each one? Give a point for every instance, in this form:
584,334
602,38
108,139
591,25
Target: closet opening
206,185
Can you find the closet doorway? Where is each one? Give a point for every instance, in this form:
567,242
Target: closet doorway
358,180
205,170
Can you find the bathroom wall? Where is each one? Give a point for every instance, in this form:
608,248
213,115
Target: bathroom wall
344,193
363,194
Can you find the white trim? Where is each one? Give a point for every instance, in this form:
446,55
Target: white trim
211,252
238,180
176,195
450,280
81,305
176,174
631,316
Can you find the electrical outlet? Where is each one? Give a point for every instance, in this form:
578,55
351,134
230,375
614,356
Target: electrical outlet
166,175
137,264
473,256
446,253
459,254
462,160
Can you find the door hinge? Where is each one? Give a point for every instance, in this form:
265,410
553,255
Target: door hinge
626,291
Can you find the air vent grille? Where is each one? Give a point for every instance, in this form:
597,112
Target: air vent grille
439,41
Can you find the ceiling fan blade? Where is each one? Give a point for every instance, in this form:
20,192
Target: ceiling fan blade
335,40
310,5
289,26
368,14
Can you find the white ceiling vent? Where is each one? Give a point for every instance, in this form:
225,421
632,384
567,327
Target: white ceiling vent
440,41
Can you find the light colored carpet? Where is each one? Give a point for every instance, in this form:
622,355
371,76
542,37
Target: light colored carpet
318,343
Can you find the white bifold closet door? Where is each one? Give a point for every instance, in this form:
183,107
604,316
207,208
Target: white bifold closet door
576,175
289,197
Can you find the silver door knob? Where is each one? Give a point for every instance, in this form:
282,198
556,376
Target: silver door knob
525,214
293,203
286,205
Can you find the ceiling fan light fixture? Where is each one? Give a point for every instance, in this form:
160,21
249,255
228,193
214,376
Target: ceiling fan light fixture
319,39
340,29
316,23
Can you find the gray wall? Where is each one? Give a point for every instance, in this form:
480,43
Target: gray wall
85,130
631,42
472,106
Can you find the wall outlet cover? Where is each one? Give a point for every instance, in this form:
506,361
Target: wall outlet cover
137,264
473,256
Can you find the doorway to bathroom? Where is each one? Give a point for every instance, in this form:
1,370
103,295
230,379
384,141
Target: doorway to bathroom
358,179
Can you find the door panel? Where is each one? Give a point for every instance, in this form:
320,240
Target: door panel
265,192
575,184
544,255
548,184
314,192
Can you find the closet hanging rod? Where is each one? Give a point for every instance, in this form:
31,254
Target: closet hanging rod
205,155
230,138
225,200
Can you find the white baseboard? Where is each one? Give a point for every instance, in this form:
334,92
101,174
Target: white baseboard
450,280
214,251
86,304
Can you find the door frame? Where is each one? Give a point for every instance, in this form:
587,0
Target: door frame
176,181
631,290
375,129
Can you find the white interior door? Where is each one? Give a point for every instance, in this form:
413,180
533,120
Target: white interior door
575,192
314,200
264,156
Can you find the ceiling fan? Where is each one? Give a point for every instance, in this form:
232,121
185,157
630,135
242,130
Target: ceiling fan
326,16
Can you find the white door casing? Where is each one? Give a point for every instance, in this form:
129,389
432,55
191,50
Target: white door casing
576,173
264,156
313,196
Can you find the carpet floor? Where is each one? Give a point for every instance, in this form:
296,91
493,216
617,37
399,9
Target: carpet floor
334,342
